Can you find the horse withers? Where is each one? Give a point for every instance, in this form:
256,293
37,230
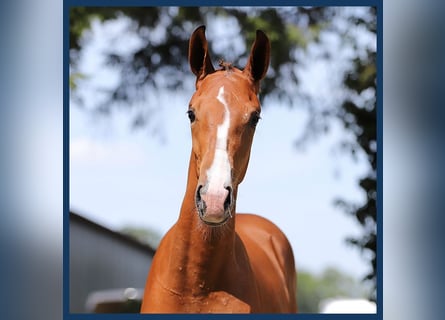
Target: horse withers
214,260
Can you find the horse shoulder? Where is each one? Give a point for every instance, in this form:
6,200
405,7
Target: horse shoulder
260,232
271,258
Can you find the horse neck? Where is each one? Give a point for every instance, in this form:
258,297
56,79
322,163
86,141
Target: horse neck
199,251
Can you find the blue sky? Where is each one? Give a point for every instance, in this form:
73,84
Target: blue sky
120,177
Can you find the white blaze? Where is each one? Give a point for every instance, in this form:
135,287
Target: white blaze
218,175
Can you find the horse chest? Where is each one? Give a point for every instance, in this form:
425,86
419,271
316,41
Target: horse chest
190,288
213,302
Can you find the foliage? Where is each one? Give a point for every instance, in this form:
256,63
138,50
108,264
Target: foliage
159,60
359,116
331,283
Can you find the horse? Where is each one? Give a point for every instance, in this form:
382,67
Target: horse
214,260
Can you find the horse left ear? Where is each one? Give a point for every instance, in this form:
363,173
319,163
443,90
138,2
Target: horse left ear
259,58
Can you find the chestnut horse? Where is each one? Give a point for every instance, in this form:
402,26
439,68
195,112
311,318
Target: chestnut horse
213,260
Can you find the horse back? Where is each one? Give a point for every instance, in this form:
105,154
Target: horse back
272,262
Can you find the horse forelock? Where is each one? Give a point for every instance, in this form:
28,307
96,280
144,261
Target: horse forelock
226,65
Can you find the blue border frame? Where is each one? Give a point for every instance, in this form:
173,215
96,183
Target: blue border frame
379,105
379,112
66,157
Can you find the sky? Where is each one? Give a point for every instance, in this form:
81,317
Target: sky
120,177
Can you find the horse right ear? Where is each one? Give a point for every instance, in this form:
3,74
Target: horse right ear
199,57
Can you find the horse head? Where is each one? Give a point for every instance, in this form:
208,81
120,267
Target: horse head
223,113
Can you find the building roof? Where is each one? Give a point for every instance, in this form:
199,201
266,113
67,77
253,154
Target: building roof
117,235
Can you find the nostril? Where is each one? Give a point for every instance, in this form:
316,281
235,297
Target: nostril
228,201
198,193
198,201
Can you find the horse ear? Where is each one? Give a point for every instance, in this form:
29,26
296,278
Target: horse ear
259,58
199,57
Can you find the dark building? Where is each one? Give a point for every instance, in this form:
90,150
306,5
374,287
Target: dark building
107,270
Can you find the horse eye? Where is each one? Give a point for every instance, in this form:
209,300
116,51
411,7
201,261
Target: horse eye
254,118
191,115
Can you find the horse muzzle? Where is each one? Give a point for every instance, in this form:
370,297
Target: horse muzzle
214,208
